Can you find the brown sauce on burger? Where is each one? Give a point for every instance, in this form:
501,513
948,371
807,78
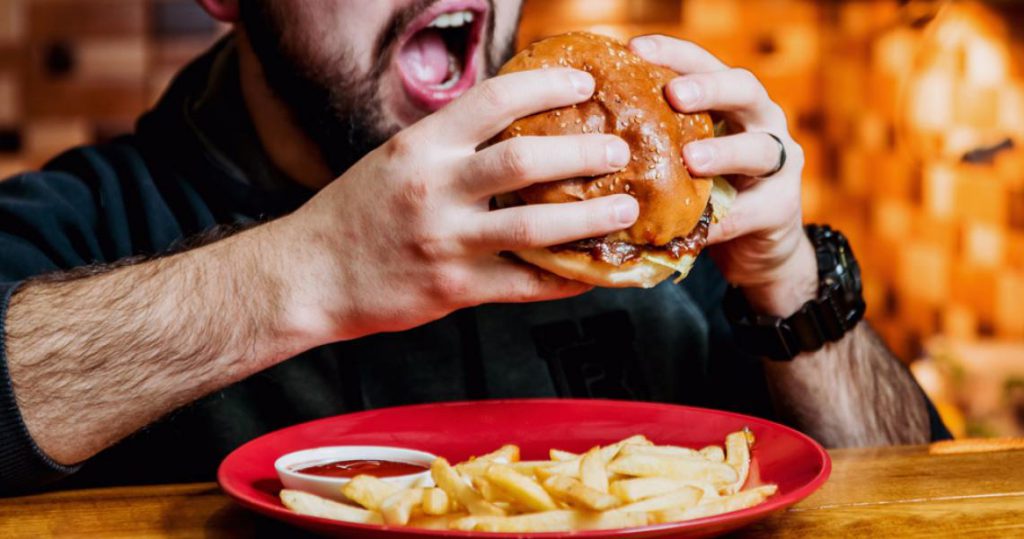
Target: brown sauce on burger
619,252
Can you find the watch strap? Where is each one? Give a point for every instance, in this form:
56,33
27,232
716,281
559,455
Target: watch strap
818,322
836,309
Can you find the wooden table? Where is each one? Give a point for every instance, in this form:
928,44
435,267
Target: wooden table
900,491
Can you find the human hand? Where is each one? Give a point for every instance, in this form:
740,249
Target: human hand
406,235
760,245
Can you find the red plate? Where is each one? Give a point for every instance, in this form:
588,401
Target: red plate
781,455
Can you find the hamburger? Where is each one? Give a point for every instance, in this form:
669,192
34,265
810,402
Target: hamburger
675,208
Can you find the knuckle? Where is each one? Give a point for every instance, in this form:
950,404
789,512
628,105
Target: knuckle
400,146
730,226
776,115
450,282
516,158
494,95
797,154
521,232
531,286
753,89
428,244
414,192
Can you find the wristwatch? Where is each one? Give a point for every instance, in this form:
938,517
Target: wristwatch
837,309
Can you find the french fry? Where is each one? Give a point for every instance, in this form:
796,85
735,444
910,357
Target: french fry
549,521
529,467
677,499
571,491
725,504
737,445
520,488
305,503
435,522
487,489
713,452
478,465
592,472
640,488
609,452
678,468
448,479
558,454
569,468
435,502
368,491
660,451
397,508
505,454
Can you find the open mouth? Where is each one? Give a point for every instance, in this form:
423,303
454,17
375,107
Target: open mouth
437,55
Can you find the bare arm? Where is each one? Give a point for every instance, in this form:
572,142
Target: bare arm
95,355
852,392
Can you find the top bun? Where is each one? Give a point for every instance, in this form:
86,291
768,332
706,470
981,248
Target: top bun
629,102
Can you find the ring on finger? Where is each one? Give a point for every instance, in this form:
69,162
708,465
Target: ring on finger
782,156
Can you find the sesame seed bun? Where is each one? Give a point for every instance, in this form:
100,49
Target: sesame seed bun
629,102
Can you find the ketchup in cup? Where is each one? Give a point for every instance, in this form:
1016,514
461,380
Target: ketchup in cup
352,468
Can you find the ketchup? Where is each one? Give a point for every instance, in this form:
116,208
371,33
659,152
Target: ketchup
352,468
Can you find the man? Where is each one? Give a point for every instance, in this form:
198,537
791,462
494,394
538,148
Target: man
300,228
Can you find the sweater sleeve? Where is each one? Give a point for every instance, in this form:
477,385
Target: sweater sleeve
23,466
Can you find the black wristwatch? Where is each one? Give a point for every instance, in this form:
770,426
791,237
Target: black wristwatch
837,309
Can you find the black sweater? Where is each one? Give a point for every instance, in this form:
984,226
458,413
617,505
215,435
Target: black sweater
193,163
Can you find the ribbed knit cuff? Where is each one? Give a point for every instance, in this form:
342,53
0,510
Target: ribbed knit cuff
23,466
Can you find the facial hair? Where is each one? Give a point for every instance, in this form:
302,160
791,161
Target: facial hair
336,106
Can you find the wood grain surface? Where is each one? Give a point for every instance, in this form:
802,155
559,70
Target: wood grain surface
891,492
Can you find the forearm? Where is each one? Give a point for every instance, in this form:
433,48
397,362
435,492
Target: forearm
851,393
94,356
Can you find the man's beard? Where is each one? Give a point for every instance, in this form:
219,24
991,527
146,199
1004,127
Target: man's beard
340,110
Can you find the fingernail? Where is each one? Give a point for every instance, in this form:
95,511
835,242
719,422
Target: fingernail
643,45
582,82
617,152
686,91
626,210
698,155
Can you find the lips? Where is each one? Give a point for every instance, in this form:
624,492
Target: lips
437,54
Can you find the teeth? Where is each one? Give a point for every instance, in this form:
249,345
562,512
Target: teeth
452,20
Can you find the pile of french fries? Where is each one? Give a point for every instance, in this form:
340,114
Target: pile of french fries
629,483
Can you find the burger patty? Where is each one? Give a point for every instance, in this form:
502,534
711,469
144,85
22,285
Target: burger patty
619,252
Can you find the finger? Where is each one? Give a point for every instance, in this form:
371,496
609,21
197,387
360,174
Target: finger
765,206
746,154
736,92
512,281
676,54
492,105
542,225
522,161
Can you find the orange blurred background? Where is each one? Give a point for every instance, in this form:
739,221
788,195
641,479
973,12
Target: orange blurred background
911,114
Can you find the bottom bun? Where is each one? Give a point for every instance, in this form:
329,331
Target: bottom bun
646,272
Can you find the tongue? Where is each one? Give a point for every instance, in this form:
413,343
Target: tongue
425,57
